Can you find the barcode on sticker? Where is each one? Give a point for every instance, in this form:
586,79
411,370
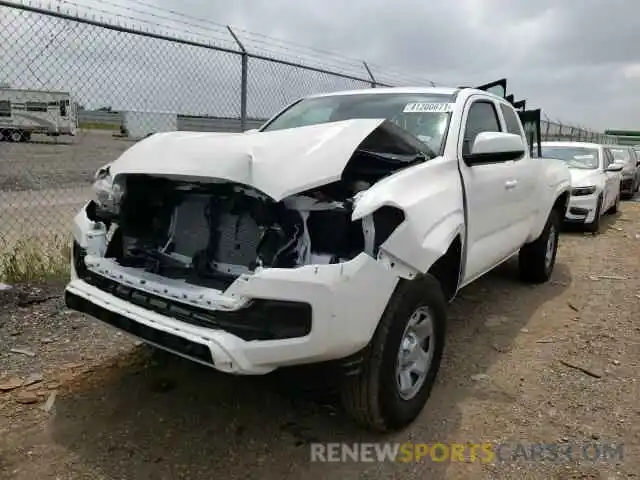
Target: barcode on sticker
427,107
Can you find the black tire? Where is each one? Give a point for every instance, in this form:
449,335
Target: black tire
616,206
372,397
594,227
15,136
535,266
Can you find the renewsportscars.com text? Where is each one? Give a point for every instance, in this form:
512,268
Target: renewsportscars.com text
467,452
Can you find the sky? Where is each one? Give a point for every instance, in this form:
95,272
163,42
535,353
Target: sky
578,60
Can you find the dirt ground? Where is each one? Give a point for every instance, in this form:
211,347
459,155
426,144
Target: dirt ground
553,364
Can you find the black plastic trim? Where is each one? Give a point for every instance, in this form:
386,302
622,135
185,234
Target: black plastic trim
261,320
157,337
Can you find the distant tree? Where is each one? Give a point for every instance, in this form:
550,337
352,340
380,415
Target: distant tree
105,109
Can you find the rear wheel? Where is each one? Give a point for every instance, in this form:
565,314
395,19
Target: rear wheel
402,360
537,259
15,136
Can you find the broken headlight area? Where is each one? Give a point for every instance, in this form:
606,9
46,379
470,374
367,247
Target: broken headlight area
108,194
208,234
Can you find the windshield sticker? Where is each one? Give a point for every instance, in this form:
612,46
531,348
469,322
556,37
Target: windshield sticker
583,157
427,107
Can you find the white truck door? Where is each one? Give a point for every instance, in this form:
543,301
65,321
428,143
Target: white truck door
522,199
489,192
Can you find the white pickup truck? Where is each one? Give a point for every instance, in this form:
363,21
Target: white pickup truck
336,235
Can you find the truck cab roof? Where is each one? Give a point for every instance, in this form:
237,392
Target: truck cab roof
450,91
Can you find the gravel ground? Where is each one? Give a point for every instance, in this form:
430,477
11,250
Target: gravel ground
555,363
45,181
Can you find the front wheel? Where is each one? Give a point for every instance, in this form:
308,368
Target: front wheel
537,259
402,360
616,206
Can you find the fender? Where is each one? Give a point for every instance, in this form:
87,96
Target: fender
408,258
557,181
430,196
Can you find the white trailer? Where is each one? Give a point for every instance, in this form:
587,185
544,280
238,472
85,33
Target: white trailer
25,112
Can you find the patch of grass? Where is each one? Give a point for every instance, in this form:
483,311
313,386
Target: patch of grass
35,259
98,126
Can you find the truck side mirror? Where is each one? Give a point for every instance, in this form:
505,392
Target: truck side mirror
492,147
614,167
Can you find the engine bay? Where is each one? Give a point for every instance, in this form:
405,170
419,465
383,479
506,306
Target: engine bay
210,233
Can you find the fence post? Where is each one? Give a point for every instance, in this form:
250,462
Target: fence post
244,58
374,84
546,134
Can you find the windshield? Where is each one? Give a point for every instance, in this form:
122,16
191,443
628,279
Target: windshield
425,116
620,155
575,157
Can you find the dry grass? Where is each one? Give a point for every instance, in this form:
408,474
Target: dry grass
34,259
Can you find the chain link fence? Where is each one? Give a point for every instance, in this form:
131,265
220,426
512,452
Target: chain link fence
557,131
79,87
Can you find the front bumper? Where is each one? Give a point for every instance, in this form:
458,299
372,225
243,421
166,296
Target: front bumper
346,301
582,208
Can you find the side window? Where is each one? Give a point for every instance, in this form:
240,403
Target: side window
511,120
482,117
36,106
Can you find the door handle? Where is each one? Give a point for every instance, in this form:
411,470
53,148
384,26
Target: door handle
510,184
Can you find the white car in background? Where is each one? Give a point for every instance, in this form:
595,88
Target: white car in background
595,180
630,161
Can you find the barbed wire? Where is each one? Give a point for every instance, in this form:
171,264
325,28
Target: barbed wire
134,70
183,25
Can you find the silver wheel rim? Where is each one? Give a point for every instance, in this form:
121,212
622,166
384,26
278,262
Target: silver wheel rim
415,353
551,245
16,137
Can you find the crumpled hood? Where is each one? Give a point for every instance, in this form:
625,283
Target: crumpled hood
279,163
585,178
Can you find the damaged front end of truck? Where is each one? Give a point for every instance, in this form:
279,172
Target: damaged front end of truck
200,242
